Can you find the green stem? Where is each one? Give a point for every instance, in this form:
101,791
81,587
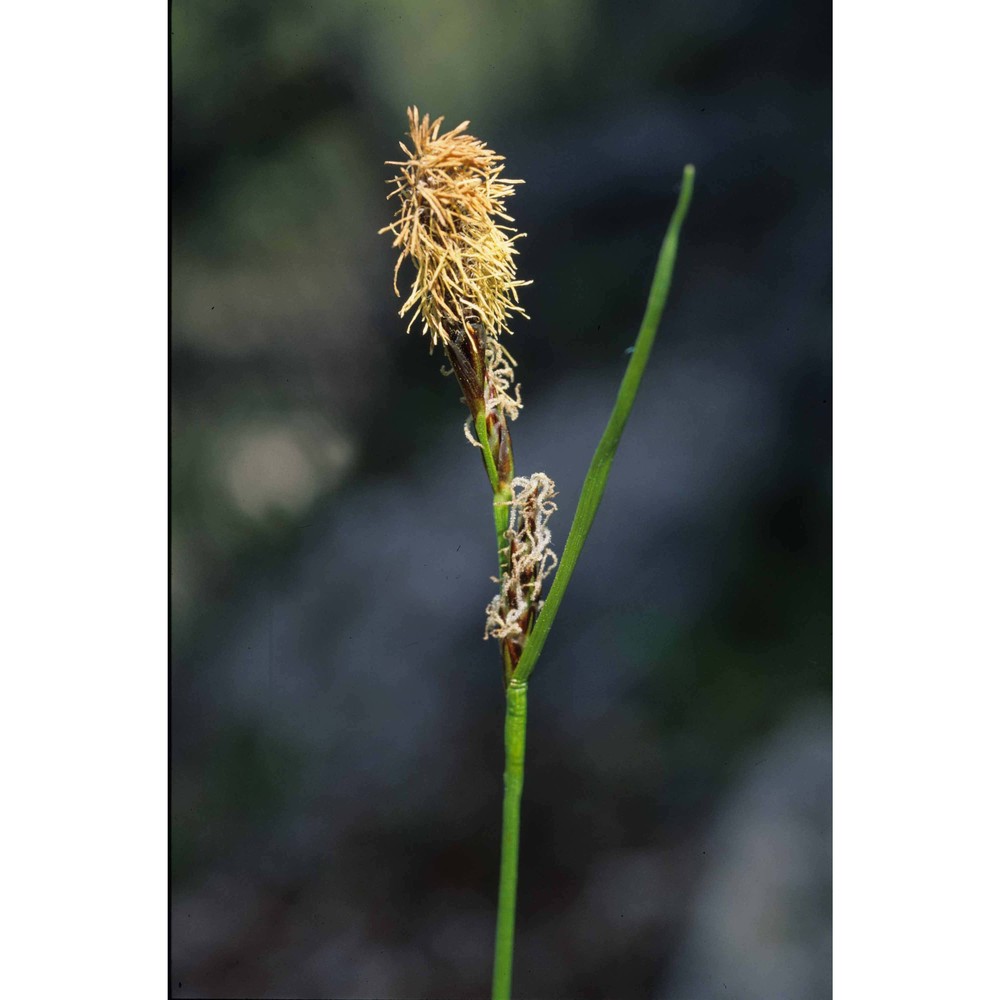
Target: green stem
484,441
515,731
501,495
515,724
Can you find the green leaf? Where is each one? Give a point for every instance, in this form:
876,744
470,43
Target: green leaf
600,465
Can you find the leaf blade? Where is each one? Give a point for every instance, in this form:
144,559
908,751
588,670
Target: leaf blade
600,465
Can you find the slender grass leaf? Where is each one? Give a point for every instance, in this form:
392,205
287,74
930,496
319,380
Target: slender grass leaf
600,465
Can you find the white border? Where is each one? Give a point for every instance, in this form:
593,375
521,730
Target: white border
916,501
83,411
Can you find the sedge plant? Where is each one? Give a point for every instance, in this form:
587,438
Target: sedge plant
451,222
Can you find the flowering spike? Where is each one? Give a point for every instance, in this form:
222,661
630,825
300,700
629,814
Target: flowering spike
450,195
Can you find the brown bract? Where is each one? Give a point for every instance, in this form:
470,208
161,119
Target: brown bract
450,196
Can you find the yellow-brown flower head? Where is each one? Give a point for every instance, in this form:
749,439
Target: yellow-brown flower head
450,196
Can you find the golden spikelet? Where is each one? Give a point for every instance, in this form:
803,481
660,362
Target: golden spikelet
450,196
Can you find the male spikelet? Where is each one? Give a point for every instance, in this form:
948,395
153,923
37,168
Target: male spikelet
465,289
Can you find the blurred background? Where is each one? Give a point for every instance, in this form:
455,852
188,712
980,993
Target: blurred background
336,716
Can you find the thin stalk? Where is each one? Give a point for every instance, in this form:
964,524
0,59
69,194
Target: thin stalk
515,732
501,494
484,441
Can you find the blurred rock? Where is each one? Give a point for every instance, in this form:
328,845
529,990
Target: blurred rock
761,920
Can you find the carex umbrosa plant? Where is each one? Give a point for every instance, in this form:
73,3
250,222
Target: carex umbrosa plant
452,223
